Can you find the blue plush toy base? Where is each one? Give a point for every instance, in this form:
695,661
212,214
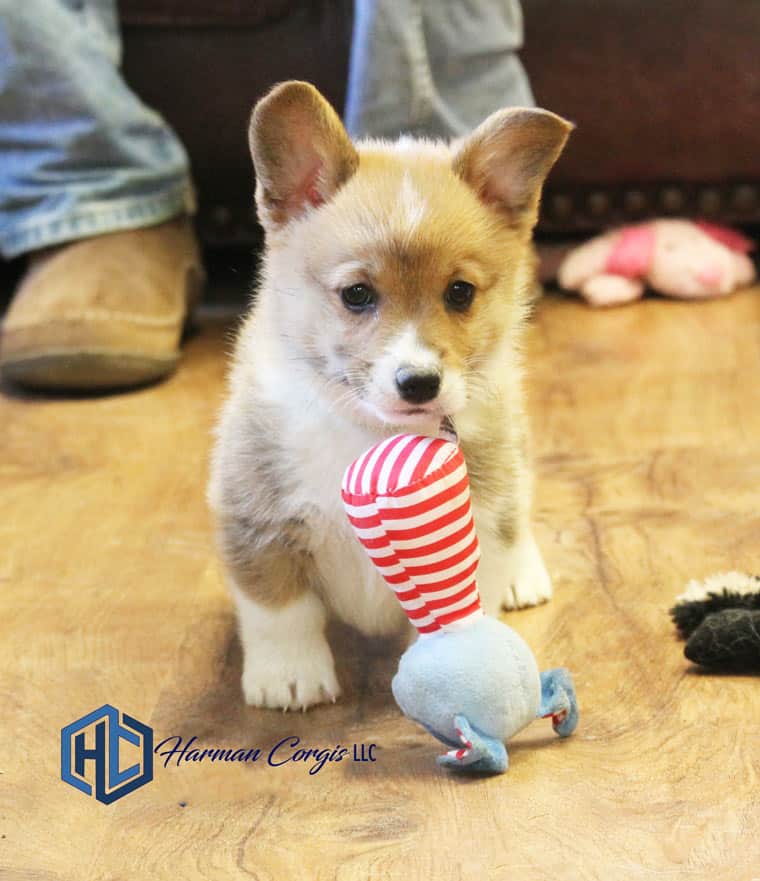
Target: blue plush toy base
474,689
485,672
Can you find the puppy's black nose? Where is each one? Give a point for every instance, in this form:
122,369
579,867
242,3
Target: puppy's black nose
417,386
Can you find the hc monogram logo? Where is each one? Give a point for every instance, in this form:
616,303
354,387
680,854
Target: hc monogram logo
97,738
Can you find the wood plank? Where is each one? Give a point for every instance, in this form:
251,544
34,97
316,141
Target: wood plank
647,442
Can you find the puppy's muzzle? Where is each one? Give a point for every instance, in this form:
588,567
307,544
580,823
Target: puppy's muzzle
418,386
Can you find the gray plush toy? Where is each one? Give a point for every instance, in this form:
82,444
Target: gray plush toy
470,680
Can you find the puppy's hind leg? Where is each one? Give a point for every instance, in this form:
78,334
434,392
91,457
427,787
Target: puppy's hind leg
512,574
526,581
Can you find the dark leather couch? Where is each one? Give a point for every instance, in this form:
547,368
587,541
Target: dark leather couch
665,93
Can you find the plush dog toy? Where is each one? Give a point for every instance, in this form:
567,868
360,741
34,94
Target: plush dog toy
720,619
470,680
674,257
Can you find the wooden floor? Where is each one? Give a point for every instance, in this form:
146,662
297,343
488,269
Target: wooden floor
647,428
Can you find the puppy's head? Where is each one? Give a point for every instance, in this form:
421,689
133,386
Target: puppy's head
398,270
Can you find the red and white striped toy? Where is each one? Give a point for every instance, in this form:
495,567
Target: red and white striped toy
469,679
408,499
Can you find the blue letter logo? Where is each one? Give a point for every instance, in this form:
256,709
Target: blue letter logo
96,738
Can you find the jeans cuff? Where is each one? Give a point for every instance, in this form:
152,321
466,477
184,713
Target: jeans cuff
97,219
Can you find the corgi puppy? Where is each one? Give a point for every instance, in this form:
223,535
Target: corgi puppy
392,297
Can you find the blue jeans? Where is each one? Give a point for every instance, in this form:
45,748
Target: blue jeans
79,153
433,67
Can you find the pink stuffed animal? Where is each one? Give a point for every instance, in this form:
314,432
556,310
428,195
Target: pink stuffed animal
674,257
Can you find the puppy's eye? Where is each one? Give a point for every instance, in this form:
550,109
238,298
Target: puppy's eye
358,297
459,295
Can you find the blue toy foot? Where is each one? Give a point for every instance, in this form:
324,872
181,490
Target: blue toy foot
558,700
478,752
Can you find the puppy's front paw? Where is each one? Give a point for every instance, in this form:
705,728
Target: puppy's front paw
527,583
289,674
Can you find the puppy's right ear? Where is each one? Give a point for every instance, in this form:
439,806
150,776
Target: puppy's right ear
301,152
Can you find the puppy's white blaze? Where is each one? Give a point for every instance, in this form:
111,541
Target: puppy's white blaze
408,349
412,203
417,148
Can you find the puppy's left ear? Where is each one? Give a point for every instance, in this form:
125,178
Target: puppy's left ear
301,152
506,160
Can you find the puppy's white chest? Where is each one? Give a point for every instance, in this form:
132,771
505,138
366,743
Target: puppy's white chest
354,590
352,587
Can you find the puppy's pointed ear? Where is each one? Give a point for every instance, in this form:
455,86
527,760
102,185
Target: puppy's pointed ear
301,152
506,159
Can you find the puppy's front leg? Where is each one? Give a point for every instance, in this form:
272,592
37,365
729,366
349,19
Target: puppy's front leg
287,662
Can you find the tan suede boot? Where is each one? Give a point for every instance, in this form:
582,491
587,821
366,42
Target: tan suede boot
103,312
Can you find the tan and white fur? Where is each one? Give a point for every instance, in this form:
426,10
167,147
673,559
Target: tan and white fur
314,384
